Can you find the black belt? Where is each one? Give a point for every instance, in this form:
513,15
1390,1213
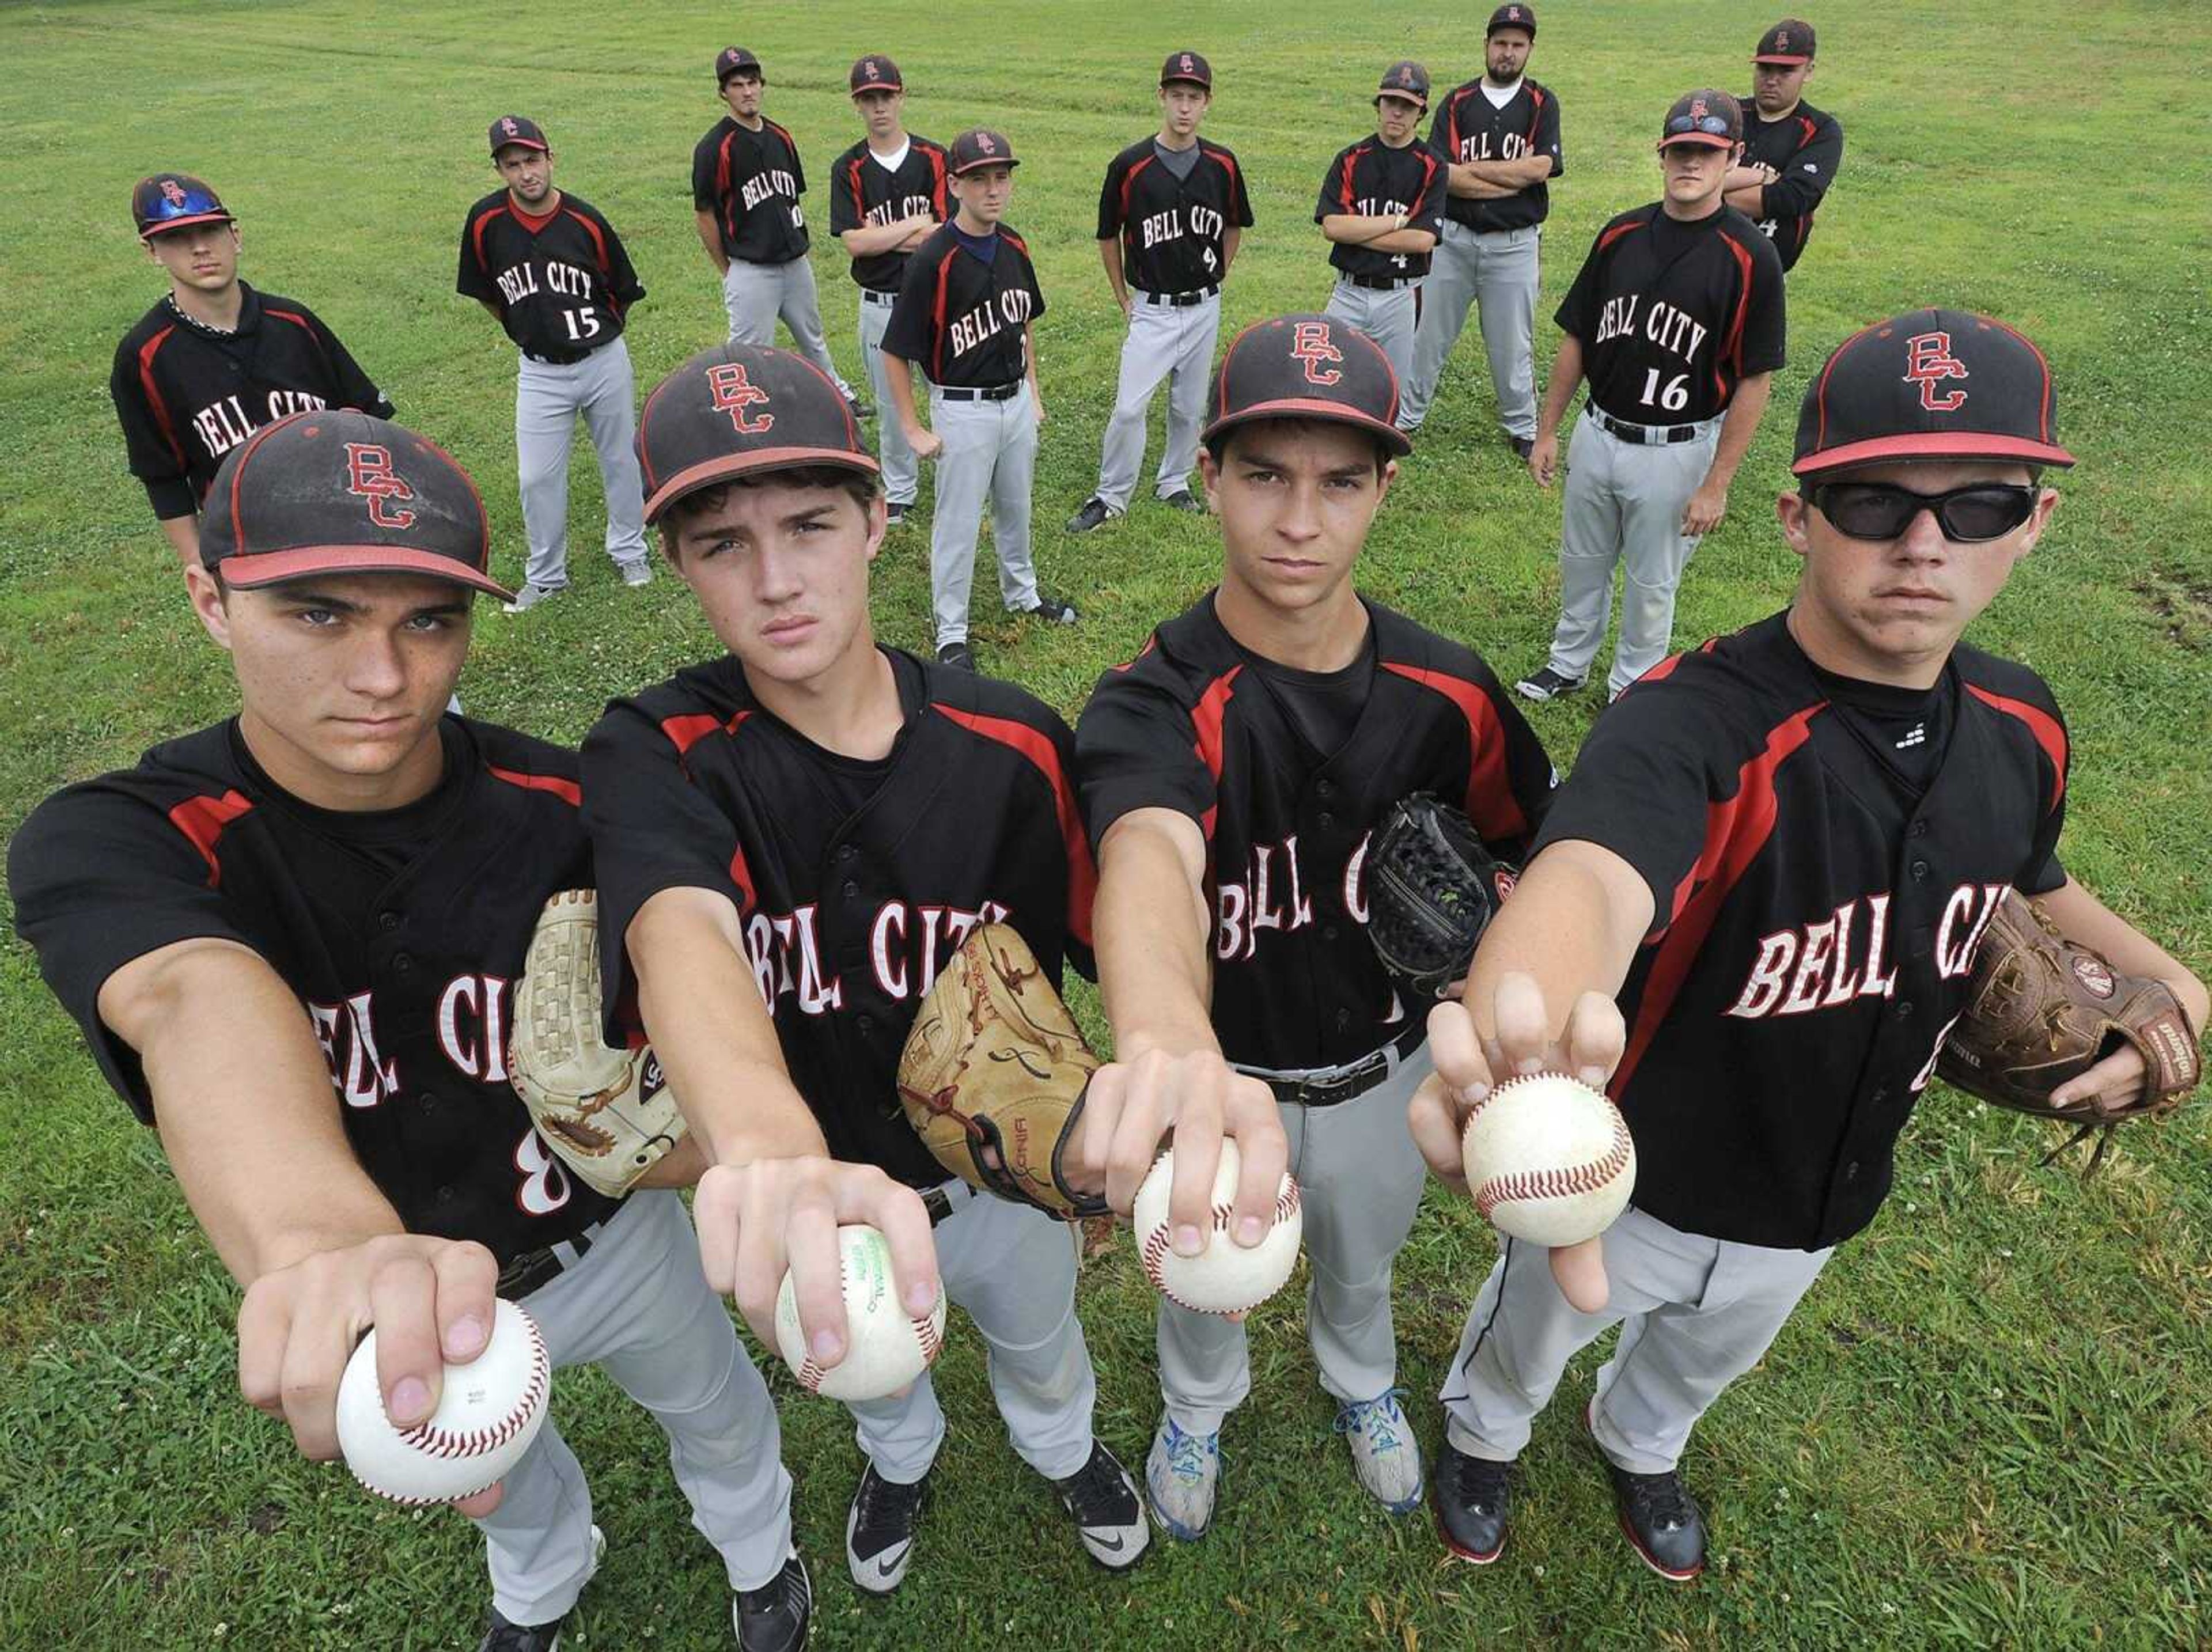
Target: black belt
1352,1080
983,393
870,295
1382,283
563,359
1645,436
1177,301
533,1268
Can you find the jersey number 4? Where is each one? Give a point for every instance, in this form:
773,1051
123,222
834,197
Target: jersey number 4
582,324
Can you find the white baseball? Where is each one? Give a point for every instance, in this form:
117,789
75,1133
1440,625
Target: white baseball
487,1413
886,1348
1224,1277
1548,1159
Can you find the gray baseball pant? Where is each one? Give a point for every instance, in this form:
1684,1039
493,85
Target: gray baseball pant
1359,1184
1624,504
1497,271
1694,1314
1166,342
901,472
637,1306
1011,1269
755,294
1388,318
548,395
990,453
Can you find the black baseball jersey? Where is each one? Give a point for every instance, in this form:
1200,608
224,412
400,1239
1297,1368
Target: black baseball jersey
1805,147
402,932
863,190
753,184
188,394
1817,907
562,280
1466,126
1288,780
1371,180
856,881
1673,316
1172,229
959,318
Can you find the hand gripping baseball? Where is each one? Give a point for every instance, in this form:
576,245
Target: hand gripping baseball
1588,1047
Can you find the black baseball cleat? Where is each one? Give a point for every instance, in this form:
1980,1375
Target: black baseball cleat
1473,1498
1521,445
880,1530
1093,513
1544,683
895,514
1109,1515
1053,610
774,1617
504,1636
959,655
1660,1519
1183,500
861,407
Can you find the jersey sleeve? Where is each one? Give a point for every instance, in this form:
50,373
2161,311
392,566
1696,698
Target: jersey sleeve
155,457
1110,200
1547,132
1337,185
1517,780
472,280
2044,872
844,195
1135,748
704,198
1578,310
1443,130
1804,178
797,166
353,387
906,335
1240,198
1035,287
623,283
1427,211
1765,331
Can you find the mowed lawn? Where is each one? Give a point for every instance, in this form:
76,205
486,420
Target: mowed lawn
1987,1425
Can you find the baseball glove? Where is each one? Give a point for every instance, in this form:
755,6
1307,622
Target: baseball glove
1432,890
993,1073
2042,1009
607,1112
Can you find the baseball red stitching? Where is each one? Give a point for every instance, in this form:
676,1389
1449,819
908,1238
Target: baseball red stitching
446,1444
1154,1252
925,1332
1557,1183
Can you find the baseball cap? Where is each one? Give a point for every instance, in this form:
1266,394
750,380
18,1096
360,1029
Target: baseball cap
734,409
517,129
171,200
1406,79
732,58
979,146
877,73
1708,117
1930,384
1790,41
1306,367
1186,66
1514,17
336,491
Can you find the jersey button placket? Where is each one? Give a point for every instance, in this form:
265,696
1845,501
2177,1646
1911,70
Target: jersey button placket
387,921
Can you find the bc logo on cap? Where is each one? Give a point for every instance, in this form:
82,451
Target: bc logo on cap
1310,343
173,191
1186,63
368,476
733,392
1928,362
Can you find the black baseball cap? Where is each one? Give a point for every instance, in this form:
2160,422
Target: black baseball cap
1711,118
979,146
875,74
1306,367
1789,42
517,129
172,200
1513,17
1932,383
734,409
336,491
1405,79
735,59
1186,66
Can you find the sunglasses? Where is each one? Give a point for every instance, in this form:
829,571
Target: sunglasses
1712,125
1878,510
190,204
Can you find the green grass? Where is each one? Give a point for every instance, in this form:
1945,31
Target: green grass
1987,1425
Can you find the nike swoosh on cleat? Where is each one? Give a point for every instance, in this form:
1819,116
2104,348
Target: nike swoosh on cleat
1113,1544
889,1564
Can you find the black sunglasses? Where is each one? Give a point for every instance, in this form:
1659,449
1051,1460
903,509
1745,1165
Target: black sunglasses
1715,125
1879,510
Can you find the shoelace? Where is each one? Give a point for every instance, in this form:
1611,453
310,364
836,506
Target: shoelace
1188,1453
1379,1418
1660,1500
887,1502
1096,1491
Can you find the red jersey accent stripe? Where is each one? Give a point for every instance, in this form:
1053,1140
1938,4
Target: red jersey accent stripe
1535,119
1343,184
1614,234
742,876
598,243
568,791
937,315
1206,717
1035,745
2048,734
1128,182
476,233
146,353
202,820
937,195
685,731
1491,803
1732,348
292,316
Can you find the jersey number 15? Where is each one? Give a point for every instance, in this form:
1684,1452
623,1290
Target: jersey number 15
582,324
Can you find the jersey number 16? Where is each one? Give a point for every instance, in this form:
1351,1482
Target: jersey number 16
1673,398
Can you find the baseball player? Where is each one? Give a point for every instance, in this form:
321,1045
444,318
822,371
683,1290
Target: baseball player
1676,320
1382,205
1170,212
747,185
794,837
966,316
292,940
214,360
1755,905
1499,135
887,195
1233,775
551,270
1791,149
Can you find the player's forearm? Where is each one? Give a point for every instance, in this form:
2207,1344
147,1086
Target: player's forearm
1750,199
1739,426
1232,238
710,236
1575,918
183,533
1151,927
2080,916
1109,255
900,377
869,239
1496,177
1361,229
1404,240
1560,390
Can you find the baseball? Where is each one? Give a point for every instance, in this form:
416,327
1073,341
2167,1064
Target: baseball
487,1413
886,1349
1224,1277
1548,1159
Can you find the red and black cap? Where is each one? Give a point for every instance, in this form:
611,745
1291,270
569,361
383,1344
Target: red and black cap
734,60
875,74
517,130
1306,367
1708,117
1935,383
740,408
1790,43
172,200
1512,16
1186,66
979,146
1405,79
336,491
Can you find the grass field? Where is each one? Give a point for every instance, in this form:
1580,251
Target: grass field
1989,1423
